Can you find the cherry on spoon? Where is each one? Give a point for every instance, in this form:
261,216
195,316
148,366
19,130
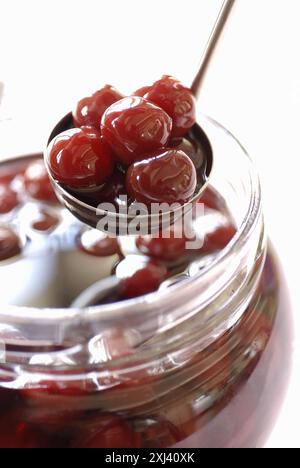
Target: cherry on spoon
118,223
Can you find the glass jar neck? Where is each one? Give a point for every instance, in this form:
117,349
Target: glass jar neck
192,313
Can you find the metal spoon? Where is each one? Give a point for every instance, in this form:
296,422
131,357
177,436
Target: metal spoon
117,223
212,45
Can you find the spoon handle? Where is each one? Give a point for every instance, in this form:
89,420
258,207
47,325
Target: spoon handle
211,45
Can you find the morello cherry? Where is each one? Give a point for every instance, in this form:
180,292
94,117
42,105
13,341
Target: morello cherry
45,221
98,244
7,174
56,406
48,389
210,199
168,246
80,159
108,431
158,433
89,110
168,176
9,399
191,148
92,131
146,279
133,127
177,100
18,436
142,91
8,199
10,244
219,238
37,183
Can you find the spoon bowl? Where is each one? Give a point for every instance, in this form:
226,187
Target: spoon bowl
119,222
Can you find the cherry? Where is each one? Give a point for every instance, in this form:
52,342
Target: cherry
8,199
108,431
110,192
80,159
17,435
177,100
133,127
168,246
218,239
45,221
89,110
53,394
8,398
48,389
144,280
10,244
91,131
54,407
37,183
158,433
98,244
167,176
211,200
7,175
142,91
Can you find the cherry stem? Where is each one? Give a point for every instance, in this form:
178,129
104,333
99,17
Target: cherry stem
212,45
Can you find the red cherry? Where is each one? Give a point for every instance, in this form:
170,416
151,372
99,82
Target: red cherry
9,399
89,110
53,395
177,100
18,436
10,244
37,183
8,199
168,176
218,239
145,280
80,159
169,246
98,244
55,407
45,221
7,174
108,431
133,127
48,388
91,131
212,200
156,433
142,91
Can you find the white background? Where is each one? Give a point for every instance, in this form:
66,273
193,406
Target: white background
54,52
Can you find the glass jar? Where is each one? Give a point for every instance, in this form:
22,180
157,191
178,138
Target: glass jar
203,363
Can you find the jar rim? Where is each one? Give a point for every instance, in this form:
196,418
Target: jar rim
122,312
